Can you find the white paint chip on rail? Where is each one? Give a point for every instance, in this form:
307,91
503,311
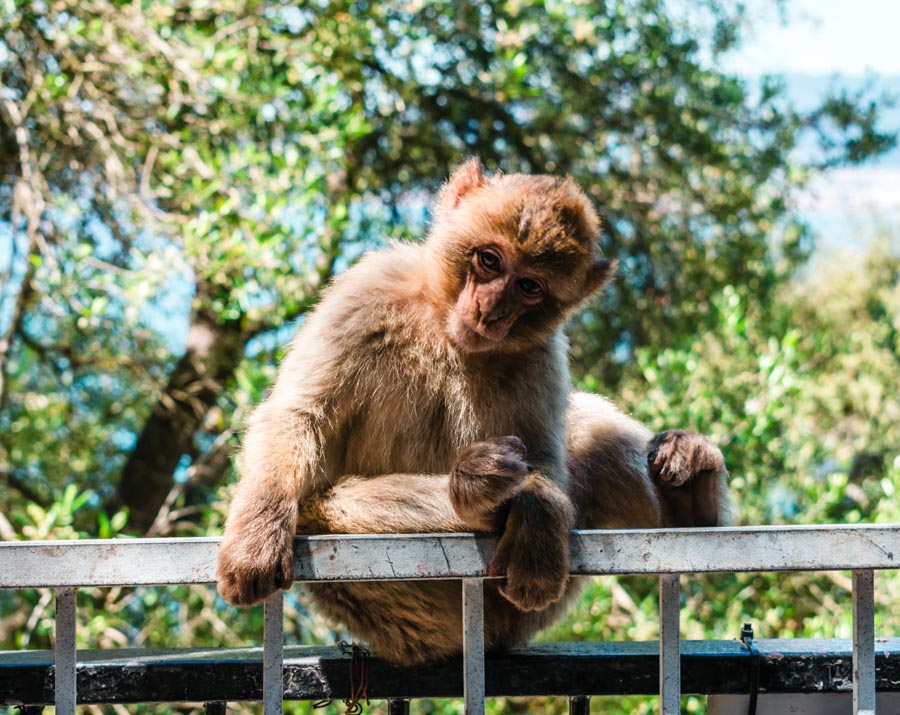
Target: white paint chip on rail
863,642
669,645
273,654
66,693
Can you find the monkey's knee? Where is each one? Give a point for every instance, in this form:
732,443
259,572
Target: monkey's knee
608,480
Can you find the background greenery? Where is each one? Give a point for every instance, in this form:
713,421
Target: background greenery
179,179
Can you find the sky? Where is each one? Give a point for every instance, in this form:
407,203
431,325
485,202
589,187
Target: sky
828,38
849,37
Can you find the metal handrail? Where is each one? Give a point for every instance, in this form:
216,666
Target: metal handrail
68,565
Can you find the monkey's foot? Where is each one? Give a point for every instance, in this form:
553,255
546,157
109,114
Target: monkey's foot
533,552
532,582
689,472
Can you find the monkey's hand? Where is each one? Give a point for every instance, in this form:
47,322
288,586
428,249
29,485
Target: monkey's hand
534,549
257,560
689,473
484,478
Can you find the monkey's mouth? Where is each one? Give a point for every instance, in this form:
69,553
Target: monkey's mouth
472,340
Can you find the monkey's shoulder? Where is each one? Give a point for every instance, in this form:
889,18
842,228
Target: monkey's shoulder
373,310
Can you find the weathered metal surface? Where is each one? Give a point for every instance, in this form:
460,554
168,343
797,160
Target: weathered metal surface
64,667
473,645
580,705
768,548
273,654
564,669
107,562
398,706
863,643
669,644
122,562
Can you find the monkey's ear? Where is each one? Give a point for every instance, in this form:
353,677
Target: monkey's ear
599,273
467,177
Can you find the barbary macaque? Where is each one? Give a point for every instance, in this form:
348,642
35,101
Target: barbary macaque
429,392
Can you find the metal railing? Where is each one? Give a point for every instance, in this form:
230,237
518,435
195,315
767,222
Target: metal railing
68,565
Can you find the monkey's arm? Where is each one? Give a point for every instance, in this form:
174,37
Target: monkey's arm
624,476
384,504
472,497
279,467
281,464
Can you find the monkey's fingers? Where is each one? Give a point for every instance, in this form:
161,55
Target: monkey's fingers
512,443
509,446
498,565
284,571
676,456
251,570
500,457
532,583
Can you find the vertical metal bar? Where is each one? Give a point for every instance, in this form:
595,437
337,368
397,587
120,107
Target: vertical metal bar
579,705
473,644
216,707
65,695
669,645
273,654
398,706
864,642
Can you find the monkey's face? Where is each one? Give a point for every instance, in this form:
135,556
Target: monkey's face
498,289
518,254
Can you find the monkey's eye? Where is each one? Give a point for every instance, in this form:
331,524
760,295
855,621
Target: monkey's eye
530,287
489,261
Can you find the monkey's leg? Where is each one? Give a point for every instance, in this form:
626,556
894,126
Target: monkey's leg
621,475
407,622
690,475
533,551
256,556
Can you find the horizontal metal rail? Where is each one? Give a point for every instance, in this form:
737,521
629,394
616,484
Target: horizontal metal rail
148,562
589,669
68,565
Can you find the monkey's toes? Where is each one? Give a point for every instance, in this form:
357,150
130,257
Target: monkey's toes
502,457
534,593
677,456
535,577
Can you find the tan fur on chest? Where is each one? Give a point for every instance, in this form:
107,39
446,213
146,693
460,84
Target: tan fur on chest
409,422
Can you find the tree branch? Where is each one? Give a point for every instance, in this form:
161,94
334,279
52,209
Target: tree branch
198,380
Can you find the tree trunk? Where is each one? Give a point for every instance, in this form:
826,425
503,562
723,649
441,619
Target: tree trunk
213,353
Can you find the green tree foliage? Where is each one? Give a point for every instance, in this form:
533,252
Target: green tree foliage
179,180
803,397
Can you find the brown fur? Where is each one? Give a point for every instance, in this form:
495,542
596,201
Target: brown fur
390,412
